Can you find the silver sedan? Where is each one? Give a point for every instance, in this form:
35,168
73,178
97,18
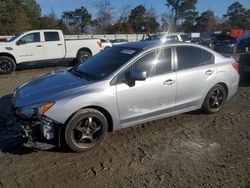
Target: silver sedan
125,85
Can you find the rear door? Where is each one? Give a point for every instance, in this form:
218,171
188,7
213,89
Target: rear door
150,98
30,48
195,75
54,47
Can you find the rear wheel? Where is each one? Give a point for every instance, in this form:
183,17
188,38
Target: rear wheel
7,65
215,99
82,56
86,129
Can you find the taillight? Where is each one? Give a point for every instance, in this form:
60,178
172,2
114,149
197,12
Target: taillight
236,66
99,42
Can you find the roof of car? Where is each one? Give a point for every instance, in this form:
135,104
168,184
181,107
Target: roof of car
143,45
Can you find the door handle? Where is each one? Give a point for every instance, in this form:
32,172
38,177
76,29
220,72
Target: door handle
39,46
209,72
59,44
168,82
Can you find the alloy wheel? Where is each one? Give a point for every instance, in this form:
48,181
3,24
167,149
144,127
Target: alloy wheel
87,132
216,98
5,65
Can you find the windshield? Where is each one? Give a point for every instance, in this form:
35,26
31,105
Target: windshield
106,62
14,37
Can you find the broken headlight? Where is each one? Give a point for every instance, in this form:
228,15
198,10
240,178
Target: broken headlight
33,111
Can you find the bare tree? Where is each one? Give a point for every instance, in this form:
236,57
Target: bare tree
104,15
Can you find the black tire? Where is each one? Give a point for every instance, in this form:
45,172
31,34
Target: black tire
7,65
85,130
82,56
215,99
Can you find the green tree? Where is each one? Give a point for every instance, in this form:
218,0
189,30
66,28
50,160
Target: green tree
21,22
33,11
13,17
237,16
18,15
151,23
78,19
137,18
49,21
206,22
184,11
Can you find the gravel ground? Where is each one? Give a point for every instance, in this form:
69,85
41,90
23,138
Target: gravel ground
188,150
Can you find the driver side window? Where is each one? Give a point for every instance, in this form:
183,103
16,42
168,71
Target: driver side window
143,64
30,38
154,63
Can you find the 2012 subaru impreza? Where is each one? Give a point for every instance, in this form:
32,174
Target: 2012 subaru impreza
126,85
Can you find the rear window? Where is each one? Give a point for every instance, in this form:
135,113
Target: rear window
51,36
208,58
188,57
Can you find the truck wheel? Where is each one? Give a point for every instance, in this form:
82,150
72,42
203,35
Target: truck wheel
7,65
82,56
85,130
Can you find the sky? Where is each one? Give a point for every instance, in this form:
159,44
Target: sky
59,6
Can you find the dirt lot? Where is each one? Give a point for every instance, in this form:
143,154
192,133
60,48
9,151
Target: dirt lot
189,150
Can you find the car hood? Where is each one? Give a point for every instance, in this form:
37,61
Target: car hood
46,87
3,45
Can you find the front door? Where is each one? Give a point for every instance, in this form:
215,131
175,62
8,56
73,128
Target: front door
152,97
30,48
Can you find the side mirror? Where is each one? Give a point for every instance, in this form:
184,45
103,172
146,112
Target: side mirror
137,75
131,77
20,42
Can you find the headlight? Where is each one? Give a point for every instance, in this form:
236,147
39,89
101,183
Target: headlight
34,111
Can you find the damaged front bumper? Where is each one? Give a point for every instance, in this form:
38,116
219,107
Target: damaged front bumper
40,133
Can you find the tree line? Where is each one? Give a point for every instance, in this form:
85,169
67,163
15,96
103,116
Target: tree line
21,15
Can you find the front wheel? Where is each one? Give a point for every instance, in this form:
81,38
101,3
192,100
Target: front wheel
7,65
86,129
215,99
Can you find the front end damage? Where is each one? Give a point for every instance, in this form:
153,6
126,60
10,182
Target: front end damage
42,133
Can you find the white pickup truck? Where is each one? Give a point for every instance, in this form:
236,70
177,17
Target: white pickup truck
43,45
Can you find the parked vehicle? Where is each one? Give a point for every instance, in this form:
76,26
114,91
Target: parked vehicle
125,85
204,42
170,37
244,63
118,41
41,45
3,39
106,44
233,47
222,42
